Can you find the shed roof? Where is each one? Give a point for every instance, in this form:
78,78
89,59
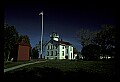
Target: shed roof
23,43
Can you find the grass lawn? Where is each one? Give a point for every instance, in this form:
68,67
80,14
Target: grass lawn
65,69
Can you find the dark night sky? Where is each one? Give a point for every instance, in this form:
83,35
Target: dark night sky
64,18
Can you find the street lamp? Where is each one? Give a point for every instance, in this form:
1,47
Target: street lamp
41,34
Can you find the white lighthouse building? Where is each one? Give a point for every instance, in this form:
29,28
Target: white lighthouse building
58,49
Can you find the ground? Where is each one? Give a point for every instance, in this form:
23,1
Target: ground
65,69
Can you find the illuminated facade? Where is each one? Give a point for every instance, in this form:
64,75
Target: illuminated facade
58,49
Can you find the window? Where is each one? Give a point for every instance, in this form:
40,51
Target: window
51,53
55,57
51,46
63,47
71,55
67,51
62,53
56,53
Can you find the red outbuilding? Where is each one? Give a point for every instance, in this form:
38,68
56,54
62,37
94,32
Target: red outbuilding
21,51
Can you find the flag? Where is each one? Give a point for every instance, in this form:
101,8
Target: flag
41,13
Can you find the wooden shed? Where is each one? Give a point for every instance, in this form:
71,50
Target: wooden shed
21,51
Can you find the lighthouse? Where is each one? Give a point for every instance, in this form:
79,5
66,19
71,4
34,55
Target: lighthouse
54,36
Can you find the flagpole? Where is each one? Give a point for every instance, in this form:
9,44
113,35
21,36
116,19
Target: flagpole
41,35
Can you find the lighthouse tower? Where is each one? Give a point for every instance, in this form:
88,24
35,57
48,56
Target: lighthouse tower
54,36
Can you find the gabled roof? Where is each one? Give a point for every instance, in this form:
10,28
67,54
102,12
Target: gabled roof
63,42
23,43
60,42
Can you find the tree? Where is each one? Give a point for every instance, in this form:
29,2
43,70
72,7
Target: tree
35,53
38,46
91,52
10,38
27,40
85,37
106,39
75,51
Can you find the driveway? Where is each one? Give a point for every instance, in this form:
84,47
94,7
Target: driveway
15,67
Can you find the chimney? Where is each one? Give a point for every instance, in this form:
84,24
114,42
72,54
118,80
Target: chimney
61,40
